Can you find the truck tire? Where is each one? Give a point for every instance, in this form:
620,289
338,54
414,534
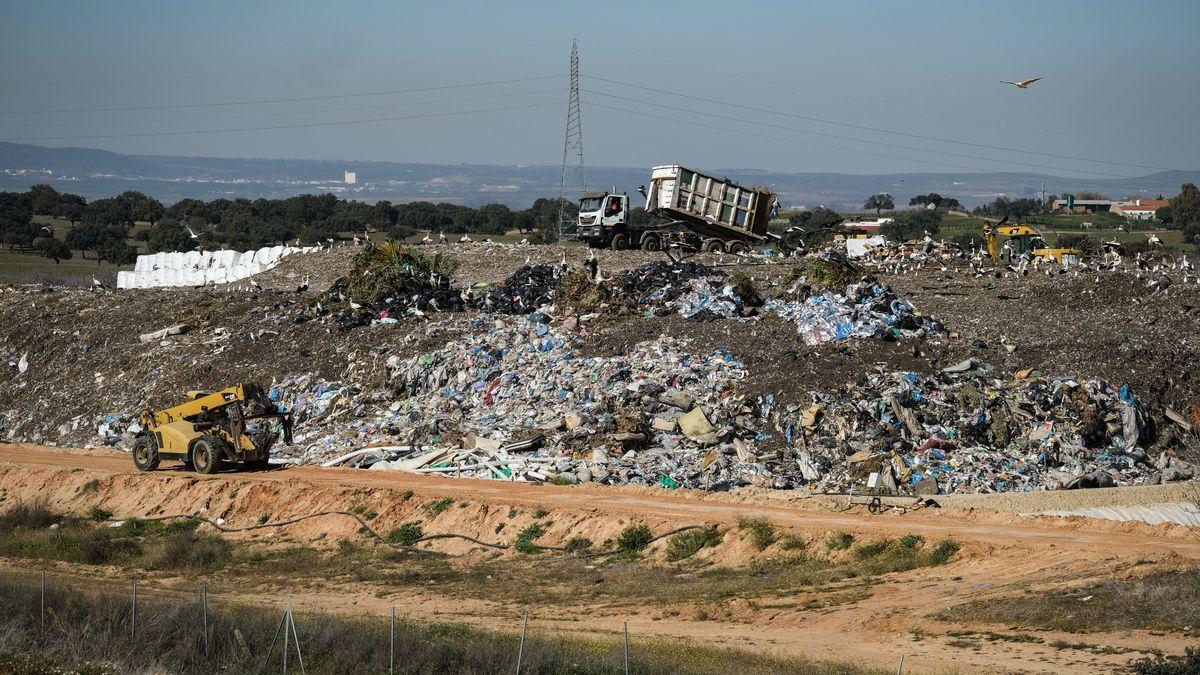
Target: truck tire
257,464
714,246
651,242
206,455
145,453
737,247
620,242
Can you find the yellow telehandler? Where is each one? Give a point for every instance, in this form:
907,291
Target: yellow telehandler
236,424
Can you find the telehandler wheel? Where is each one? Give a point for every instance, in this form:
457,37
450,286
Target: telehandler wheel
651,242
205,455
145,453
620,242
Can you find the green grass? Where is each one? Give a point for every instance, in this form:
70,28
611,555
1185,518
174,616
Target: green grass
761,531
839,541
90,626
899,555
407,534
436,507
525,538
1164,601
634,538
687,544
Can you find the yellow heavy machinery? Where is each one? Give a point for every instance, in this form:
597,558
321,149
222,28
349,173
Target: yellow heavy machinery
236,424
1022,240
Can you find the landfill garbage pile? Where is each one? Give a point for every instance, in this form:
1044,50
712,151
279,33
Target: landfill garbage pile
865,310
968,430
388,281
529,288
517,402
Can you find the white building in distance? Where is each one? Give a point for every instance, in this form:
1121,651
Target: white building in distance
351,178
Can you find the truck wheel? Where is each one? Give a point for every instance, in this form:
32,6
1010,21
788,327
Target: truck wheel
145,453
257,464
651,242
714,246
620,242
737,247
205,455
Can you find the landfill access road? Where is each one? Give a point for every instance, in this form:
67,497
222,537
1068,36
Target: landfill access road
1003,552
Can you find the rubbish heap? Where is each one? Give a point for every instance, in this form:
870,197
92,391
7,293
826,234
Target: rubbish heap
388,281
517,402
968,430
867,310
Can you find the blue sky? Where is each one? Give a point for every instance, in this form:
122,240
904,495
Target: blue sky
1121,81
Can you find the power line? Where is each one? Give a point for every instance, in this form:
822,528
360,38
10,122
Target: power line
288,126
284,100
878,129
280,113
851,138
785,140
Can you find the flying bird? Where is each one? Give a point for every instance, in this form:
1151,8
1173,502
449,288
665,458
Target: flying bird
1022,85
192,234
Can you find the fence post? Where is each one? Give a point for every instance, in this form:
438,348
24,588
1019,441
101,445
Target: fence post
392,645
626,648
287,629
900,668
133,614
295,635
204,612
42,610
521,648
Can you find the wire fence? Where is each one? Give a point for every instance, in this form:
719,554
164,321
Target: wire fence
167,628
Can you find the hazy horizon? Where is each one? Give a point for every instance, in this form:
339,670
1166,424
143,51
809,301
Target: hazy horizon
1117,85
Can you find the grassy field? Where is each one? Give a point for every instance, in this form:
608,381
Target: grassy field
1054,225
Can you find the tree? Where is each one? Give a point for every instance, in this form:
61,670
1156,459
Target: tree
1088,194
912,225
1165,215
109,212
43,199
168,235
879,202
117,252
16,220
938,201
94,237
1185,207
54,249
70,207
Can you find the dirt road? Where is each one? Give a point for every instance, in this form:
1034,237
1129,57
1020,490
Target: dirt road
1003,554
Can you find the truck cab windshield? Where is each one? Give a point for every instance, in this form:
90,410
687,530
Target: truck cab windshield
589,204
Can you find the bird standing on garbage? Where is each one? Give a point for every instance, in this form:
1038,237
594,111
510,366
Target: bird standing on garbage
254,282
465,239
96,282
442,237
1153,240
426,240
304,286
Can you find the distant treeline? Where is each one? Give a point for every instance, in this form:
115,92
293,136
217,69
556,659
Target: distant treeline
103,227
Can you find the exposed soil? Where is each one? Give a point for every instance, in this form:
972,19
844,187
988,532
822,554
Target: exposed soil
1002,555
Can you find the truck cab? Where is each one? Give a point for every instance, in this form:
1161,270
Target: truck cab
604,220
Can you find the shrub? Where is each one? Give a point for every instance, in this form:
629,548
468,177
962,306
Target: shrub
407,534
687,544
434,508
1186,664
28,514
745,290
192,551
578,545
526,536
98,514
634,538
762,532
839,541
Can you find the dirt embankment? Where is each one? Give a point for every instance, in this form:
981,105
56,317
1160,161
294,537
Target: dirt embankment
1001,555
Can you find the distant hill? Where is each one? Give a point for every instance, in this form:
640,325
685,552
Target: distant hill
99,173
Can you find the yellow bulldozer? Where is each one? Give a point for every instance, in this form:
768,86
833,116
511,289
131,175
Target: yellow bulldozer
236,424
1022,240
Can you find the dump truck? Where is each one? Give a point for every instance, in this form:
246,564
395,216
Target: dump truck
236,424
705,212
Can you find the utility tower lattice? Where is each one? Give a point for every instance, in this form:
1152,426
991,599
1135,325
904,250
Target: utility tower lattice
572,166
